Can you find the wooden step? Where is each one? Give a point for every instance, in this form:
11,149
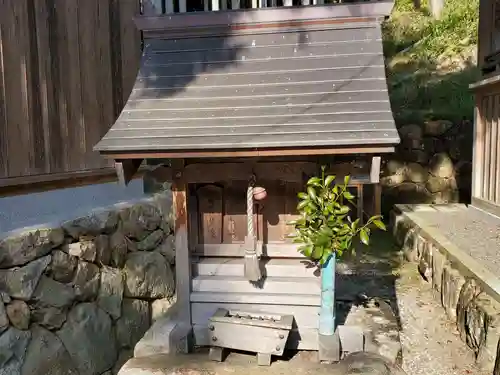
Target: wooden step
257,298
289,285
272,267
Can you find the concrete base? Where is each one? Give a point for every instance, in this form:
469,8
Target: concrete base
304,363
168,335
329,348
380,328
352,339
370,325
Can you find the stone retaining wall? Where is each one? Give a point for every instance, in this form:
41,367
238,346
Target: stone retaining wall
75,299
431,165
476,314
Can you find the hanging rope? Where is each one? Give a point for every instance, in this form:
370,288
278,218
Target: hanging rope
250,231
252,266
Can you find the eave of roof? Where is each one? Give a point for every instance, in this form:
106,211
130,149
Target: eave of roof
319,86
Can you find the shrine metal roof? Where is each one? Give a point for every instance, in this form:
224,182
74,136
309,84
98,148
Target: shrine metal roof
296,82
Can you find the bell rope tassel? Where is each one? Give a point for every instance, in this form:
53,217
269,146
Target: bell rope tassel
252,266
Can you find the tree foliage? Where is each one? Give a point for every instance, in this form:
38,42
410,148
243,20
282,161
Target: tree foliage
325,226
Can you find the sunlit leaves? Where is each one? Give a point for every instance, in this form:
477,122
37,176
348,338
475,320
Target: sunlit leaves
329,180
325,225
363,235
379,224
311,192
314,181
348,195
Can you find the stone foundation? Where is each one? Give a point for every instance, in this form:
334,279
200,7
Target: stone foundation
75,299
431,165
476,314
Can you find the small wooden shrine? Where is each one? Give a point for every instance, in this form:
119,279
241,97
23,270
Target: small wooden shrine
242,107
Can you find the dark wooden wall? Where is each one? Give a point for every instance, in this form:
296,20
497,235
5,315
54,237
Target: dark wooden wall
488,28
66,68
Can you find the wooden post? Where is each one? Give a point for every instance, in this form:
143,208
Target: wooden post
182,256
436,8
152,7
377,199
235,4
215,5
478,147
182,6
360,202
375,169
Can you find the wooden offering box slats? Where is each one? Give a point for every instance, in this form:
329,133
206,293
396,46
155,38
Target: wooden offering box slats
273,94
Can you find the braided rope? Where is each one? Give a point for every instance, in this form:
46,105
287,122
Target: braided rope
250,229
252,267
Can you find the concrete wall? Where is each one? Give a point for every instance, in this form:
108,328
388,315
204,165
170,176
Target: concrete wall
58,205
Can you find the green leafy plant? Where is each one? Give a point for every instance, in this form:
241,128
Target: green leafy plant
325,226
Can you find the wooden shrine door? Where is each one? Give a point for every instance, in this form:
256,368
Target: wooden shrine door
222,220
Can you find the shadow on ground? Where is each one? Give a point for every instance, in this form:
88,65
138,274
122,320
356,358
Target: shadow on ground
371,272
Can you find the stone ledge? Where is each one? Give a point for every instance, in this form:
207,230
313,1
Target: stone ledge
461,260
469,293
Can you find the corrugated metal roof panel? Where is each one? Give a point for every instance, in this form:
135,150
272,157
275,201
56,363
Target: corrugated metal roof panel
288,89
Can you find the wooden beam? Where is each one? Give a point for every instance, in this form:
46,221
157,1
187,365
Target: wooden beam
248,153
268,250
375,169
484,205
255,18
126,169
284,171
162,174
213,172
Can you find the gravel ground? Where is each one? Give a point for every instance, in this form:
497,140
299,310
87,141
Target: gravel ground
473,231
431,344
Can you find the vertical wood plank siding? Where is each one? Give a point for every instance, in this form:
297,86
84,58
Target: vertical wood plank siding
66,70
486,183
